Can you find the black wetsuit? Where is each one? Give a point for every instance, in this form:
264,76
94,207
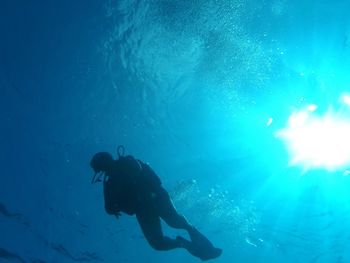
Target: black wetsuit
133,187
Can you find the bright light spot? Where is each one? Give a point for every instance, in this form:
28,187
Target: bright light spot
316,141
346,99
312,107
269,122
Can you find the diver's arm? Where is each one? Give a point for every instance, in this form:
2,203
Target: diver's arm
112,209
111,206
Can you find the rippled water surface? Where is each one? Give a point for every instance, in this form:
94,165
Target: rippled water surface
200,89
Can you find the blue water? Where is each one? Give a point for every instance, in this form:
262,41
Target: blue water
189,87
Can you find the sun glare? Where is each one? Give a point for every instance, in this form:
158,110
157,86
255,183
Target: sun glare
318,141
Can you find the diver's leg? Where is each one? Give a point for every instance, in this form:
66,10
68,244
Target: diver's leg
199,246
152,230
168,212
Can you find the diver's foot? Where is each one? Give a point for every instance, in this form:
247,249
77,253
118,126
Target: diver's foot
202,246
212,253
205,253
202,251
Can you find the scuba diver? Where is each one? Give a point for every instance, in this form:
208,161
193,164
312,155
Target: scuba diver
131,186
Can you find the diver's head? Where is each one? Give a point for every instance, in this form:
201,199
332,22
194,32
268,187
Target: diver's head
101,162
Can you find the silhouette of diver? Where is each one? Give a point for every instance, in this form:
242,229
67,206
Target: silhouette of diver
132,187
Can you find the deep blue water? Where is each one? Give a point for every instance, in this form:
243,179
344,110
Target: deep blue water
188,86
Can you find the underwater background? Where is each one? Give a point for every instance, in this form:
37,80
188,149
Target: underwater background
200,89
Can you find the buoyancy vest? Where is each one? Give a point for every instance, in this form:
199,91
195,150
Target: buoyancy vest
129,184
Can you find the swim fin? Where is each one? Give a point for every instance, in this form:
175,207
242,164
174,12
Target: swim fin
200,246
